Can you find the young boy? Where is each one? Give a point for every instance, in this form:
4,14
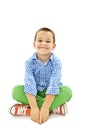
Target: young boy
43,91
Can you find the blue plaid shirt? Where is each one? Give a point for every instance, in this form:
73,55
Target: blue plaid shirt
39,76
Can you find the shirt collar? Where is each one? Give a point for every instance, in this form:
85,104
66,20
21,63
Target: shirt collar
34,57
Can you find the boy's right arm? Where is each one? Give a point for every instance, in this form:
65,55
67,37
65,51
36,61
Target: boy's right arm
35,112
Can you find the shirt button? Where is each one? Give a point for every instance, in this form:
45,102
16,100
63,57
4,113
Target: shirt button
42,83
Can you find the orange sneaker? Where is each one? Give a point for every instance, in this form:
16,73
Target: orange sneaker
20,110
63,110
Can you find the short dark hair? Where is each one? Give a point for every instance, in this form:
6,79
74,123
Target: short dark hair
45,29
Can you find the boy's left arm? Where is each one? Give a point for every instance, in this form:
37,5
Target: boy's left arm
44,112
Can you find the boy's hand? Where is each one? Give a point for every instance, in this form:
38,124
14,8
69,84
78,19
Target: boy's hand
44,112
35,114
44,115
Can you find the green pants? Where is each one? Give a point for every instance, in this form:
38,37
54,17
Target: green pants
64,96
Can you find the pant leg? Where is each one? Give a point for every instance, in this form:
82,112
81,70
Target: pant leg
64,96
19,95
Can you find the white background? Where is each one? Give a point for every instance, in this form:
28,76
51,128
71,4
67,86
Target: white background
19,20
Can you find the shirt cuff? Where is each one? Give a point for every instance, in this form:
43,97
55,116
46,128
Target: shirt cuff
28,89
53,90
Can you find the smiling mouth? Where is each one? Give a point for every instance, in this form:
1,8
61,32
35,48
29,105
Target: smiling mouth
43,47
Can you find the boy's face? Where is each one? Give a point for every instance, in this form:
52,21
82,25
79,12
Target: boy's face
44,42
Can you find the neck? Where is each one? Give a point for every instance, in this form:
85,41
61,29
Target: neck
43,58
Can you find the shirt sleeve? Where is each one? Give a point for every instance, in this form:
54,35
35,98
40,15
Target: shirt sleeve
29,80
55,79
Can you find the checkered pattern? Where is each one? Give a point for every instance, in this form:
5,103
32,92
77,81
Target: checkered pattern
39,76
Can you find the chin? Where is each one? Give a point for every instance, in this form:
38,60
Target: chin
43,53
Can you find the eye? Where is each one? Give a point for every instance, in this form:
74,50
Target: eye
39,40
48,41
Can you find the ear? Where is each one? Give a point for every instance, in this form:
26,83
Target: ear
54,45
34,44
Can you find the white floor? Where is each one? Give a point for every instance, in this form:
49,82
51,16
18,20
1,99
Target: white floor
19,21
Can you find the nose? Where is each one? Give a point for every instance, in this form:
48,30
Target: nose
43,43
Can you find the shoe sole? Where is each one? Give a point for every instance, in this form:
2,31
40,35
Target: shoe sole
65,109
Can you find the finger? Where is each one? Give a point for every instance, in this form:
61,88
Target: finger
44,120
34,119
40,121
